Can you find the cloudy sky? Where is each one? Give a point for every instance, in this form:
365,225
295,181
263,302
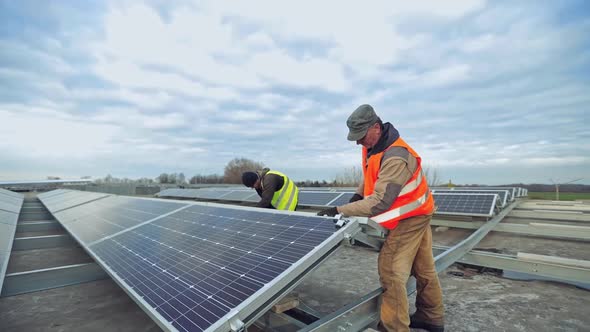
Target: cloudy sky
486,92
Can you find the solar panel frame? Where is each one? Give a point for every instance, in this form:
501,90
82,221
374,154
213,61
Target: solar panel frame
462,213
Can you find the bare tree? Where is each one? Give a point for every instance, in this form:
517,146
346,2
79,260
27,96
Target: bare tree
211,178
234,169
181,179
163,178
432,176
350,177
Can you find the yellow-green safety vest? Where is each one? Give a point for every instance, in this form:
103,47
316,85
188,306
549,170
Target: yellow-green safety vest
286,197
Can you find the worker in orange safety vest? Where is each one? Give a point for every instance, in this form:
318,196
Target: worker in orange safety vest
394,192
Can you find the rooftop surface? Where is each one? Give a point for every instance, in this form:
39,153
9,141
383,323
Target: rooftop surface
476,299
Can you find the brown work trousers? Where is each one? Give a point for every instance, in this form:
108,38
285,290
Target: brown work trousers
408,250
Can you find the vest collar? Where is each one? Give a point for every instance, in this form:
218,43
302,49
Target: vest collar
388,135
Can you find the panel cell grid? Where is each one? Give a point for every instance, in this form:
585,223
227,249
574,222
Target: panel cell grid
344,199
316,198
466,204
503,194
196,265
238,195
98,219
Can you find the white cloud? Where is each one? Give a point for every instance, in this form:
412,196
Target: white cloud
53,139
469,85
478,44
131,119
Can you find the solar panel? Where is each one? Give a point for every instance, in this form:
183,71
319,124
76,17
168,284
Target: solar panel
10,205
198,265
344,198
210,194
101,218
316,198
8,219
70,199
10,193
511,190
203,266
465,204
6,238
166,193
10,199
503,194
239,195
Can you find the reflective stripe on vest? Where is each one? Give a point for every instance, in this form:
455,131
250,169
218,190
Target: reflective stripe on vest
396,213
412,185
285,198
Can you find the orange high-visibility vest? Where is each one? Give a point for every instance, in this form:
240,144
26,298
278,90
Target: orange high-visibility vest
414,198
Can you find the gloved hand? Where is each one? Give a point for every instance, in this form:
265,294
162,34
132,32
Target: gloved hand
355,197
328,212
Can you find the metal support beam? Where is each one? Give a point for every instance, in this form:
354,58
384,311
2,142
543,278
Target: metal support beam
38,226
548,215
43,242
32,216
38,280
581,233
569,274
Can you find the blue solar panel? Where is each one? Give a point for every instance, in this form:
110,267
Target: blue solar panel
238,195
343,199
105,217
197,265
8,220
316,198
503,194
465,204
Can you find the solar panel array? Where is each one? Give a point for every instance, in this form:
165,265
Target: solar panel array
513,192
477,204
319,198
465,204
503,194
62,199
195,266
10,206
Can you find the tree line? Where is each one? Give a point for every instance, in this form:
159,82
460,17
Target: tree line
232,174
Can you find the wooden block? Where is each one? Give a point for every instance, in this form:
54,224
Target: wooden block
285,304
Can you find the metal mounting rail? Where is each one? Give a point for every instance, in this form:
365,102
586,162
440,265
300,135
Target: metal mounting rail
38,280
578,233
363,312
528,270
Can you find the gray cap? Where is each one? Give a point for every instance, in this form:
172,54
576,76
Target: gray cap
360,121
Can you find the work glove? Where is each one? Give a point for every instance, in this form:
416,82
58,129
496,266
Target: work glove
328,212
355,197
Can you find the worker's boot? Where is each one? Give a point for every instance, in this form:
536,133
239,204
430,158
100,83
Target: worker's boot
417,322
